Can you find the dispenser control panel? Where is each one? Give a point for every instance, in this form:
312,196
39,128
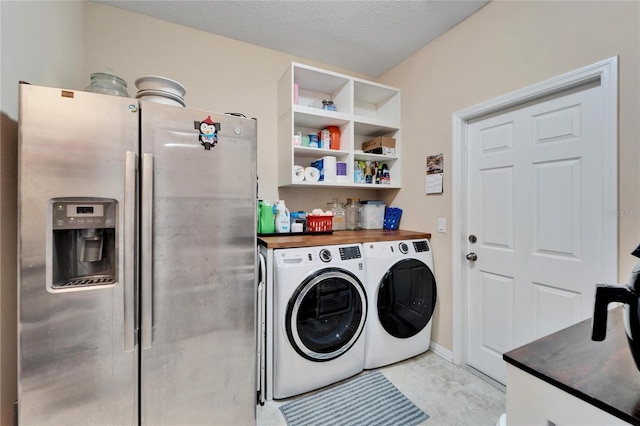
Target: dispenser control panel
81,235
74,215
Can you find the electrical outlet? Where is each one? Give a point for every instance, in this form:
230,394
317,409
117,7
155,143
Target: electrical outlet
442,224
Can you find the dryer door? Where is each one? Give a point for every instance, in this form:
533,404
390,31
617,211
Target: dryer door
326,314
406,298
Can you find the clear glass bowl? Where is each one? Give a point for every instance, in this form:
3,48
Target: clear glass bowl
107,84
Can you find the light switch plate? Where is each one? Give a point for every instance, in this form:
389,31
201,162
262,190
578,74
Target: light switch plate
442,224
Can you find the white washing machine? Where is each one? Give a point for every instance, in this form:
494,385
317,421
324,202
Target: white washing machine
401,290
319,314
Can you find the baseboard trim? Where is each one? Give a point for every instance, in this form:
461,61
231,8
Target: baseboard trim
496,384
442,351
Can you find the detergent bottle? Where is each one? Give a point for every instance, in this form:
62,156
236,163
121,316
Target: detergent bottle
283,223
266,224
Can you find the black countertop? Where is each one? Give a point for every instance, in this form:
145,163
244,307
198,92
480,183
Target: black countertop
600,373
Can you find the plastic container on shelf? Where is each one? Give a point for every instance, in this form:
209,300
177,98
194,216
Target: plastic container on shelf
335,137
297,139
392,217
368,172
372,216
283,221
358,172
386,177
328,105
298,221
324,139
266,224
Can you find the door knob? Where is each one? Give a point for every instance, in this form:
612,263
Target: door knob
472,256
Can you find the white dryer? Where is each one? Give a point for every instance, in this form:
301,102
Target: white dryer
319,314
401,290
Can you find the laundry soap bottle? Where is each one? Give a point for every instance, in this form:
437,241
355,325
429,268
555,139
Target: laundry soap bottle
266,224
283,223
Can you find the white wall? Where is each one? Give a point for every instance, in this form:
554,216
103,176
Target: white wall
41,42
505,46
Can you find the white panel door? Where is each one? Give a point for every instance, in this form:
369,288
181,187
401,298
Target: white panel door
536,208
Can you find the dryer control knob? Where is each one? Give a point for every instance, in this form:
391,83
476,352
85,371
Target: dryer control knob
325,255
404,248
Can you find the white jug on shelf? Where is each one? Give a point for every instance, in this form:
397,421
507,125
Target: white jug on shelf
283,223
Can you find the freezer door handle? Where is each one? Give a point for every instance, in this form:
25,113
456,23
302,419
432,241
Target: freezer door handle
146,315
261,332
129,281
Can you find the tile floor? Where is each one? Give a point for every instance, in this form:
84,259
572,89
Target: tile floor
450,395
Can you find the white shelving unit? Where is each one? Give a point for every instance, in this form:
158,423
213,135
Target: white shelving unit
364,110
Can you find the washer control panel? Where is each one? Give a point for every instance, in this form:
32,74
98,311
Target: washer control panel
352,252
308,256
420,246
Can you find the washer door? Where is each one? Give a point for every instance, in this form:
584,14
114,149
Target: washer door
326,314
406,298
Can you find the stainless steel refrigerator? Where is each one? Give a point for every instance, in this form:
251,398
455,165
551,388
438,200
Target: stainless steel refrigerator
137,262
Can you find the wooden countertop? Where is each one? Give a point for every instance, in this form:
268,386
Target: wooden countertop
339,237
600,373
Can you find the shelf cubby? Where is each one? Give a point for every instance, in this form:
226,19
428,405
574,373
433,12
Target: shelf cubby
364,110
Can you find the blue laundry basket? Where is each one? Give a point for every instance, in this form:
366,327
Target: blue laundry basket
392,217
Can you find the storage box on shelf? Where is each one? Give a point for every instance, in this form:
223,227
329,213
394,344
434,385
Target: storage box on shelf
363,110
372,216
380,145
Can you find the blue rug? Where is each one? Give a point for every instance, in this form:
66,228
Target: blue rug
367,400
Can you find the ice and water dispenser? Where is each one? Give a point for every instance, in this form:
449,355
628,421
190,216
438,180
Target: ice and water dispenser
82,237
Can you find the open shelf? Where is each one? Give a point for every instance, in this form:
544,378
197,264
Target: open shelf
364,110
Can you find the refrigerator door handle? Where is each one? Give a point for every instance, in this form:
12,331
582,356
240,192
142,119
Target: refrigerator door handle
129,281
147,252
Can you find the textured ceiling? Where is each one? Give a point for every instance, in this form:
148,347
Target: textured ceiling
368,37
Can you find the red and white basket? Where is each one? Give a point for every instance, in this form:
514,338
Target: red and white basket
319,223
